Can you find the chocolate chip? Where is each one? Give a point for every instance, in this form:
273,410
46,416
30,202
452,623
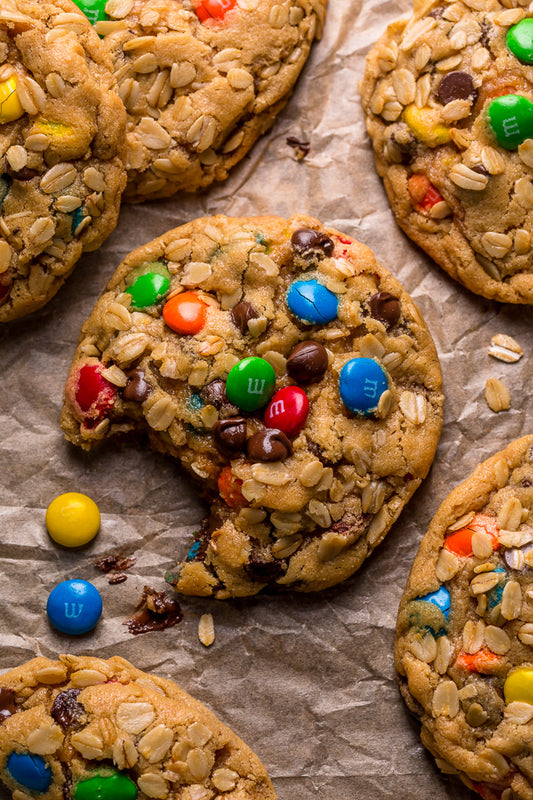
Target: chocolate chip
24,174
385,307
263,571
137,388
268,445
230,435
480,169
308,362
7,704
456,86
241,314
66,710
158,612
436,12
312,244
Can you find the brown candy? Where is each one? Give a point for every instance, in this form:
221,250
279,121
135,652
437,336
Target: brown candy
66,710
386,308
7,704
268,445
456,86
308,362
241,314
137,388
312,244
230,435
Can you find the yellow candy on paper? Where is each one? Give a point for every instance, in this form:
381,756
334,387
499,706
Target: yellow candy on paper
72,519
425,125
10,108
519,686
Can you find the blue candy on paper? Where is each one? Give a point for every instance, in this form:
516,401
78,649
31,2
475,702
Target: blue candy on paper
311,302
74,607
361,384
30,770
440,598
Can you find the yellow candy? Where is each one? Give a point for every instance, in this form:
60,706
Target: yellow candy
51,128
519,686
425,125
10,108
72,519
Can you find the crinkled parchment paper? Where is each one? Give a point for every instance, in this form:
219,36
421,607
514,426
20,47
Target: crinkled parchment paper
307,681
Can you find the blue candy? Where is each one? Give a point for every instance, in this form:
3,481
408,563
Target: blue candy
311,302
494,596
440,598
74,606
193,552
361,384
30,771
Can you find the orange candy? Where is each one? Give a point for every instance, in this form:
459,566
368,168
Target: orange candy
460,542
484,661
185,313
230,489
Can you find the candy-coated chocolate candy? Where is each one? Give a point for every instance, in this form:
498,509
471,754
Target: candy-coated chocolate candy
426,126
308,362
520,40
494,596
440,598
460,542
312,302
193,552
229,488
385,307
250,383
30,770
74,606
148,289
214,9
484,661
72,519
106,787
312,244
268,445
185,313
94,394
361,384
511,119
288,410
10,107
94,10
518,686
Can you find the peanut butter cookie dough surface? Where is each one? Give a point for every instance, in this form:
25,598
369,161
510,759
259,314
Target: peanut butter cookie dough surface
201,81
448,98
465,629
292,376
62,149
86,728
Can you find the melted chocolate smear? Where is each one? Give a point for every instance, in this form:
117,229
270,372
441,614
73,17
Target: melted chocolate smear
117,564
157,612
7,704
66,710
301,148
263,571
119,577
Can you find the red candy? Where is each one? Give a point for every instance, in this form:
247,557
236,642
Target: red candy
288,410
460,542
94,395
484,661
422,193
487,791
214,9
229,488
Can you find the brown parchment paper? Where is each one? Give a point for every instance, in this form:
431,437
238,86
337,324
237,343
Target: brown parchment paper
307,681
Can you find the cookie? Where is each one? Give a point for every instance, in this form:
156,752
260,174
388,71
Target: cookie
292,376
448,99
201,81
62,149
465,633
87,728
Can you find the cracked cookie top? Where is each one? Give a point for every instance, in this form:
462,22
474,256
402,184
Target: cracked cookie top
465,629
292,376
448,98
85,727
62,149
201,81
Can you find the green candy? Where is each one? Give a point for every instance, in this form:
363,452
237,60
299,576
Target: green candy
520,40
148,283
511,119
94,10
251,383
110,787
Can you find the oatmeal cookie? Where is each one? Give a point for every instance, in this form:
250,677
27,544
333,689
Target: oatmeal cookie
87,728
201,81
62,148
292,376
465,629
448,98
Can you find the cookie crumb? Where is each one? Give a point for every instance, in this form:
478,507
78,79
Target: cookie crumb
505,348
497,395
206,630
301,148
